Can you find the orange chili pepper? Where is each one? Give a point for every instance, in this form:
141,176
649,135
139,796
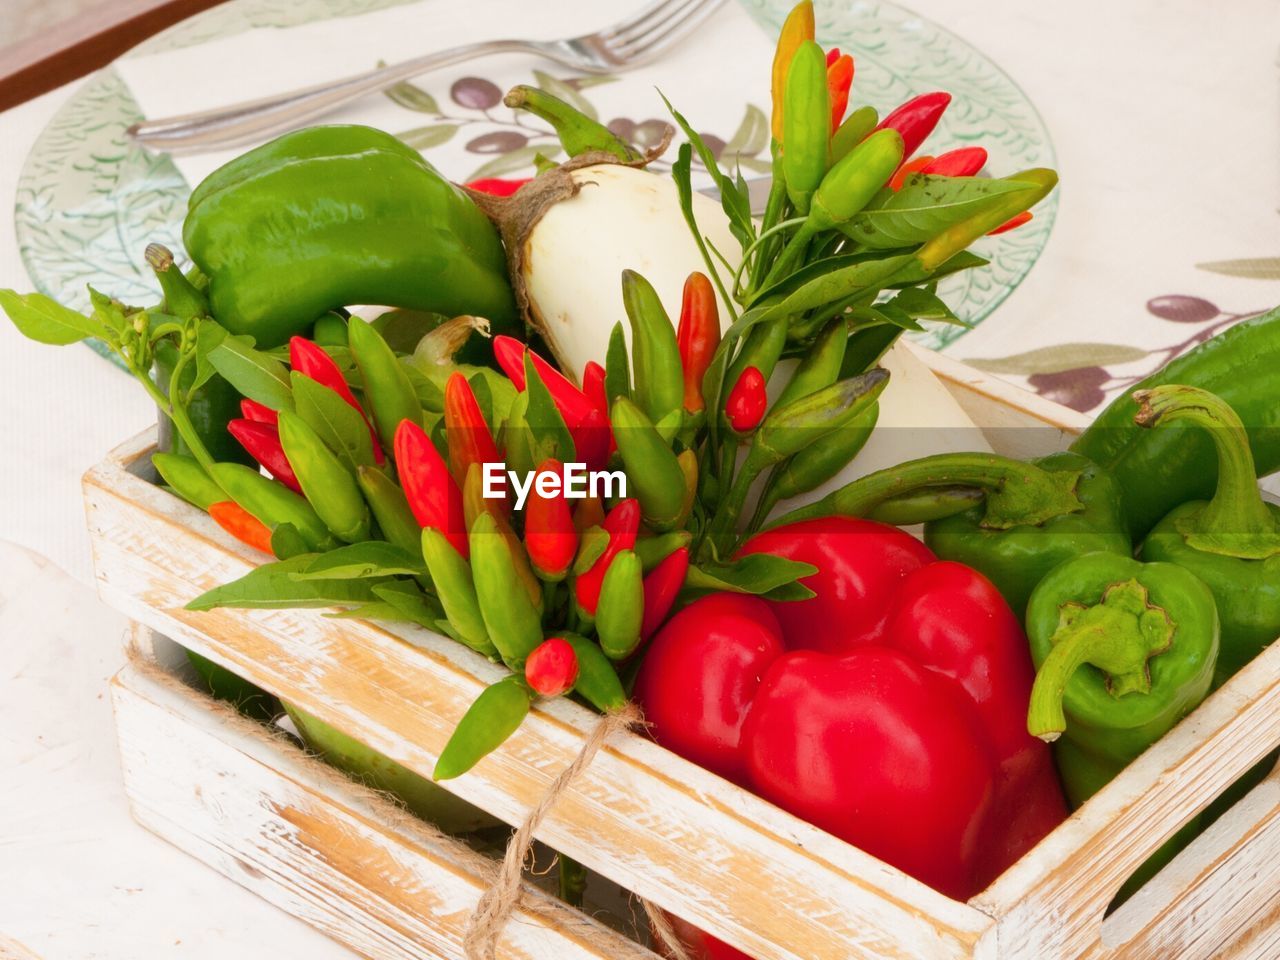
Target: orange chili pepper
1012,223
914,165
839,80
797,29
242,525
697,336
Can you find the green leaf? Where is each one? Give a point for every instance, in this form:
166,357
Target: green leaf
736,202
512,162
566,92
1259,268
377,610
617,365
551,438
44,320
110,313
835,285
916,273
758,573
1065,356
433,135
371,558
414,605
922,304
273,587
926,206
209,335
338,423
255,374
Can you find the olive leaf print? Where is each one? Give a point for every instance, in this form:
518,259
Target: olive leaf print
1258,268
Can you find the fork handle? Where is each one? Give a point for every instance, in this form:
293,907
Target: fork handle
253,120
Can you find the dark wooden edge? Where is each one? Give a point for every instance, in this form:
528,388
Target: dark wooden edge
77,47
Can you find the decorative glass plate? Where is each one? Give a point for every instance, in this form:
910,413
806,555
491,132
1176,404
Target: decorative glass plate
88,201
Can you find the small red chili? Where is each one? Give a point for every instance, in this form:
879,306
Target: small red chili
241,524
262,441
964,162
552,668
1012,223
747,401
496,186
697,335
259,412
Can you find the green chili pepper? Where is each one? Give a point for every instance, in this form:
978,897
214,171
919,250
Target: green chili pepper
496,714
806,124
331,330
334,215
620,613
578,133
653,550
653,472
820,366
456,590
850,185
923,506
388,391
390,508
510,618
329,486
188,479
1151,633
655,356
1229,542
273,503
617,367
853,131
597,680
761,348
1159,469
1017,558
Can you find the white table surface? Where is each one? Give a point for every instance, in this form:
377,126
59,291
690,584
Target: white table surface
78,879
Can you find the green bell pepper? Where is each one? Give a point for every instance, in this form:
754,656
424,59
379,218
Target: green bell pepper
1231,542
1150,630
330,216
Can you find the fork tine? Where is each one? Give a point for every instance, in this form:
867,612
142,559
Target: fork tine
640,19
657,40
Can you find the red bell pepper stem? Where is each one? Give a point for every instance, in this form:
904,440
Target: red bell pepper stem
1012,223
262,440
914,165
964,162
242,525
470,441
433,494
661,586
747,401
622,523
259,412
839,80
313,362
496,186
697,335
569,400
552,668
550,538
916,119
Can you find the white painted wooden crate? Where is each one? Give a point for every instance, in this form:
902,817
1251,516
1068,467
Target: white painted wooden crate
698,846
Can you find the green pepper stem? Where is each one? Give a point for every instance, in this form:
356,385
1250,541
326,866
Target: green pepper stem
176,413
1236,522
1119,635
1017,493
738,290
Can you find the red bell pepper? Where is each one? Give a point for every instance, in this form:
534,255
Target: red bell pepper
807,703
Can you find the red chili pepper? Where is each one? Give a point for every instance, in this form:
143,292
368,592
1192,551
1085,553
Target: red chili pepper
312,361
914,165
839,80
916,119
747,401
833,55
469,438
552,668
242,525
1012,223
660,588
258,412
964,162
262,440
622,523
569,400
496,186
878,589
593,388
697,335
550,538
433,494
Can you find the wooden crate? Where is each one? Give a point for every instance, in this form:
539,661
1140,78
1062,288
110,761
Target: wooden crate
706,850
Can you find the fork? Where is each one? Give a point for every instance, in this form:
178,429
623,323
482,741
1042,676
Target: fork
637,40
